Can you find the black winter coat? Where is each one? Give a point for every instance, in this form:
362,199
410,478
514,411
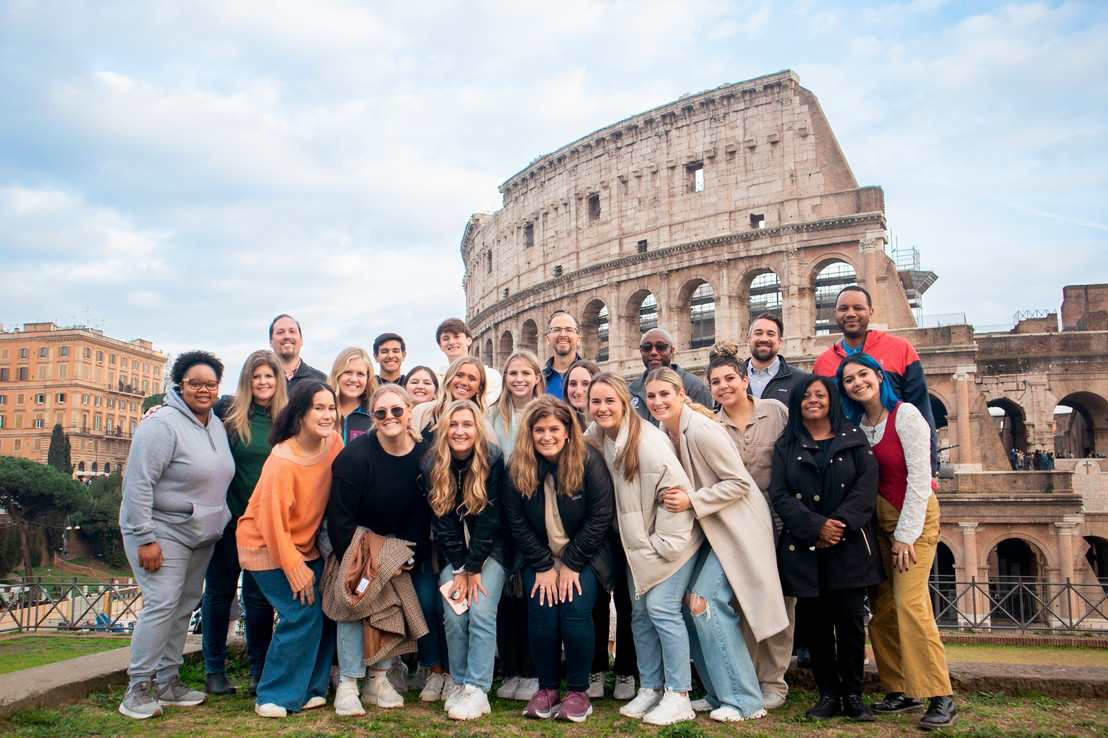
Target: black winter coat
488,534
586,516
805,498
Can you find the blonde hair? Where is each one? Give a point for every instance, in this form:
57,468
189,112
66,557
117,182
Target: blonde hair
342,362
238,416
628,460
444,397
668,375
405,398
475,497
571,462
503,406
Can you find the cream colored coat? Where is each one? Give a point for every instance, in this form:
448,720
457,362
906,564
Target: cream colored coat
656,541
735,519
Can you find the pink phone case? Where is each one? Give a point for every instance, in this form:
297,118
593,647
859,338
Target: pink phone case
458,606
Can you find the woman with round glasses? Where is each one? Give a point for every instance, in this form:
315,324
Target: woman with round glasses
376,485
174,510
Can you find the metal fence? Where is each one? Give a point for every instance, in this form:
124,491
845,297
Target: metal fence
1020,604
106,607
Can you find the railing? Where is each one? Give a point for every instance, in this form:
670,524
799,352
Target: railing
1020,604
107,607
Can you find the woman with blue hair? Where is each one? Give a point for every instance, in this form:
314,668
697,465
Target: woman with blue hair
910,657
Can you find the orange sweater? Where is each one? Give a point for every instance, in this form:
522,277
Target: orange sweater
279,527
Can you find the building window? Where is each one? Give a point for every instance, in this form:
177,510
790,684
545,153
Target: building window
4,374
641,246
111,358
38,422
528,235
695,174
42,352
157,371
648,314
702,310
100,357
64,351
23,353
145,387
765,295
40,399
829,281
96,422
123,362
99,401
488,261
3,399
22,374
757,220
19,399
145,368
61,398
111,402
84,399
594,206
17,444
88,353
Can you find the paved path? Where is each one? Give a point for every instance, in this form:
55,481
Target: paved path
73,680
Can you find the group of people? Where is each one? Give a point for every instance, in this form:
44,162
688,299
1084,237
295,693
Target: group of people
1038,460
467,514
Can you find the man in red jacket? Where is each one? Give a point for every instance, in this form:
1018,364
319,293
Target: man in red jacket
897,356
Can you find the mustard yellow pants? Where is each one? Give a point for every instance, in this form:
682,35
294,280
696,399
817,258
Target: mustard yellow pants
910,656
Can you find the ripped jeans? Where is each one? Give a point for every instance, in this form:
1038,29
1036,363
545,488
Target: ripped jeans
716,638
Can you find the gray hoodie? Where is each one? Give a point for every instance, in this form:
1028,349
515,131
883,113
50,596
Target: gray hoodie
175,485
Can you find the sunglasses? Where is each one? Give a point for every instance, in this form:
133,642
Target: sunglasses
396,410
661,347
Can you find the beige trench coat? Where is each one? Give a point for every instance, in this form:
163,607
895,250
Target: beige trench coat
735,519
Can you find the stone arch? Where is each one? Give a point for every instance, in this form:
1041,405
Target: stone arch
1097,556
938,411
696,303
507,344
1084,431
488,357
944,591
529,336
1011,424
1017,568
828,276
80,466
643,313
595,330
762,288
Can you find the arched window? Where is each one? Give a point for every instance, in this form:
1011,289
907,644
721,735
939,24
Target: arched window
529,336
594,331
765,295
702,312
648,314
830,279
507,344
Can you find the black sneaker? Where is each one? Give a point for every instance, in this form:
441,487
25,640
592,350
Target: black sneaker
896,703
217,683
827,707
855,709
941,713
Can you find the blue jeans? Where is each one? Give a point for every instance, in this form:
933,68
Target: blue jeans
298,664
568,623
716,640
661,639
472,635
351,650
169,596
432,647
220,583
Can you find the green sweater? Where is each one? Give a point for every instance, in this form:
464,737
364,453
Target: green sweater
249,460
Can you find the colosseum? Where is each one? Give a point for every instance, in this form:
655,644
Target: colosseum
701,213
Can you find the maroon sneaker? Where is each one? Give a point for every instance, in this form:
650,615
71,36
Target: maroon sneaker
575,707
543,705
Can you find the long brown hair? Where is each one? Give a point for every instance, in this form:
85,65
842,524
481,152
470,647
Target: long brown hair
668,375
525,460
504,406
628,460
444,398
238,416
475,497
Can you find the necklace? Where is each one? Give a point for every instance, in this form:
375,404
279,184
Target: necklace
873,426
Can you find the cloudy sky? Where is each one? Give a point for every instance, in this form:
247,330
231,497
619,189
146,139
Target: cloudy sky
182,171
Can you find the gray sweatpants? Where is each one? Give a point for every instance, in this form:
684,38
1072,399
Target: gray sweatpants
169,596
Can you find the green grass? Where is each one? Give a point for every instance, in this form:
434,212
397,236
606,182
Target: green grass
1075,656
23,652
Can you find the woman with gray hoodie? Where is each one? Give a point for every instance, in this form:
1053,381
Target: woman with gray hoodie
174,510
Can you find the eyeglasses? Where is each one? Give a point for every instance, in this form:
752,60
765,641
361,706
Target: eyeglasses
197,384
562,331
660,347
396,410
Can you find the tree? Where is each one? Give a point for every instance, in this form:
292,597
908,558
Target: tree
35,493
99,518
59,454
153,400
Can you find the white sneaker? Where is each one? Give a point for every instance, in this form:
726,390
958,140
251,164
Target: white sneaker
702,705
398,675
508,689
315,703
596,685
270,710
646,701
728,714
773,700
346,699
673,708
526,689
448,686
625,688
473,704
378,691
453,697
432,688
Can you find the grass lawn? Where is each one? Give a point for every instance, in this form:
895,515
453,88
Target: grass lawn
50,573
1027,716
23,652
958,652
